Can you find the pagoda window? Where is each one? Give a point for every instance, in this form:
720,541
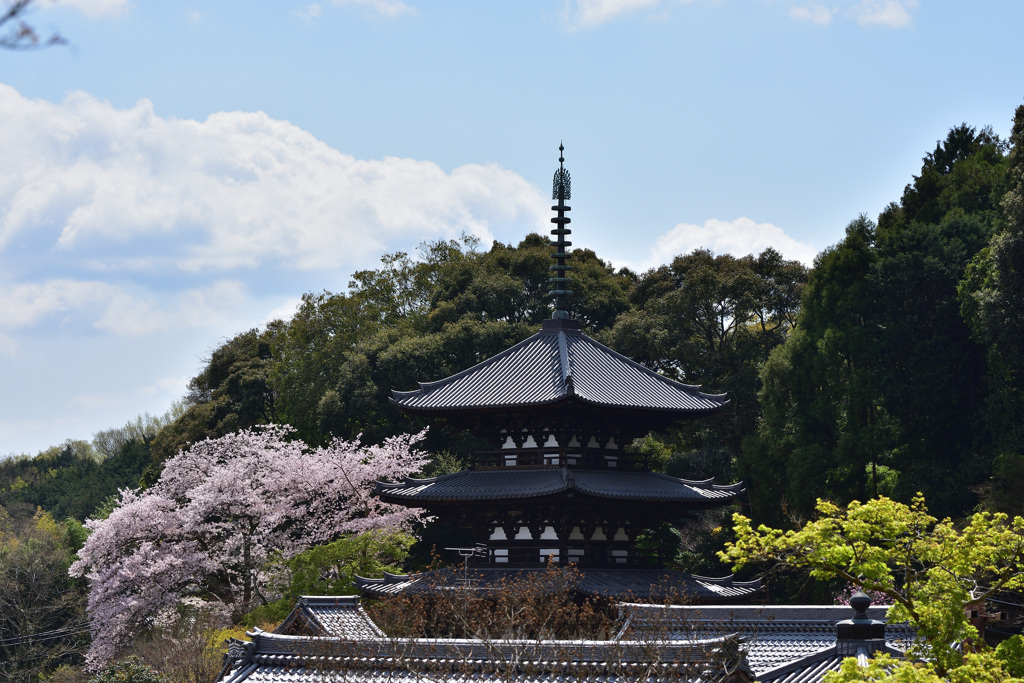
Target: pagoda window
500,555
574,443
549,534
575,534
620,556
598,535
529,443
510,460
572,458
551,553
509,443
498,534
611,444
620,535
524,534
551,442
575,555
611,460
551,458
593,443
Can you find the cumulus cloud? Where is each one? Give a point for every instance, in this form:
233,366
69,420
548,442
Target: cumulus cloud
738,237
109,308
25,305
131,189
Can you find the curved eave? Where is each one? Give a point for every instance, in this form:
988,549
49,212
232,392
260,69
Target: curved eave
636,487
566,399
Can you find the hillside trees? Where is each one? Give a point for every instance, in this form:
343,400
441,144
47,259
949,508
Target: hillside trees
42,609
207,528
879,390
712,320
414,320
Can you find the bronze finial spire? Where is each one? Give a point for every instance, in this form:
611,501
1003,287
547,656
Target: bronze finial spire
561,190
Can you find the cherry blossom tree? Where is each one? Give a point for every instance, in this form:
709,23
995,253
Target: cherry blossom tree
219,511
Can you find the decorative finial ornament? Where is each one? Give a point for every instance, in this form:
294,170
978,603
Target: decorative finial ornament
561,191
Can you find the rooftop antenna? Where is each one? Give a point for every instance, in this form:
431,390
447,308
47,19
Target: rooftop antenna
465,553
561,191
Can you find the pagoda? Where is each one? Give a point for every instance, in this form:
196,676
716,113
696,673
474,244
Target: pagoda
556,485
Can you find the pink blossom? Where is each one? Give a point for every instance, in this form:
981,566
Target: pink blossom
219,512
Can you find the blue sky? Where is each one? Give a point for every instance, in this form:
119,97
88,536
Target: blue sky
183,171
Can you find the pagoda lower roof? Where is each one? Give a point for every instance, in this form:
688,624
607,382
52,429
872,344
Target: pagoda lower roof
516,483
609,583
558,364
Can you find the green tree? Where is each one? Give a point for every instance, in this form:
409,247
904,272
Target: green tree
331,569
992,297
232,392
881,388
42,610
712,320
932,570
129,670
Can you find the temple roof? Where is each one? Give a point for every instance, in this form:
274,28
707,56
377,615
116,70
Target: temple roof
518,483
557,364
610,583
778,644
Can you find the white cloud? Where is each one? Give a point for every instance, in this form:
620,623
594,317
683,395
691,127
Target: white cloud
594,12
127,188
25,305
285,311
738,237
109,308
171,386
96,8
311,11
816,14
129,316
387,8
888,13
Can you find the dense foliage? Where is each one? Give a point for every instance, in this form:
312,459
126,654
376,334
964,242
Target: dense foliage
42,609
932,570
881,387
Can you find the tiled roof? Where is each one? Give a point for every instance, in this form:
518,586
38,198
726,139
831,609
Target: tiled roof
341,616
775,635
556,364
619,583
285,659
783,645
812,668
516,483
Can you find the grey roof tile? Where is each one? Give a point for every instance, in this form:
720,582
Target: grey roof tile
553,365
341,616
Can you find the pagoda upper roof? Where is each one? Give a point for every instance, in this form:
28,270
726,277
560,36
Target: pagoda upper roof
558,364
518,483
